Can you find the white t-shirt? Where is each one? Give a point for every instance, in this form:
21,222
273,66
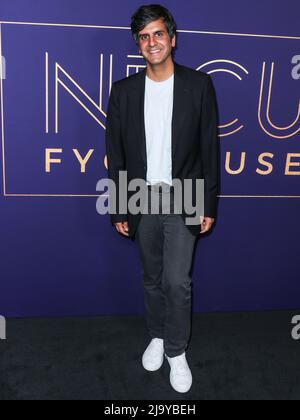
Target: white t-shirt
158,127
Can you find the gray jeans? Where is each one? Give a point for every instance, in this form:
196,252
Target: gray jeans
166,249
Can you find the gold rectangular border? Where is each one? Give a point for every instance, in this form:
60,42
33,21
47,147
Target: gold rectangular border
5,194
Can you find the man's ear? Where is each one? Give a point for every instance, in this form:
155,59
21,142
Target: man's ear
174,41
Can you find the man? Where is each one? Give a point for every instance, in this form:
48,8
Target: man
161,126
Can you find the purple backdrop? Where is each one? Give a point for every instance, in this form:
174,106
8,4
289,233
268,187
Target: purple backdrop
58,257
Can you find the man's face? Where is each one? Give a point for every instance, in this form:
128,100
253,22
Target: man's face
154,42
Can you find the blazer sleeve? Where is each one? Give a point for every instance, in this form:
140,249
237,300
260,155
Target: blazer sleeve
115,150
210,148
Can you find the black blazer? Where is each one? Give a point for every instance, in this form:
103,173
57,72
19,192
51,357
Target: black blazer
195,143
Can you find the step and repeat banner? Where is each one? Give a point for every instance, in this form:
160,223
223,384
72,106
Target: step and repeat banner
58,256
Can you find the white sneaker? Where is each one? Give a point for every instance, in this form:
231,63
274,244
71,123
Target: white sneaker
153,357
180,376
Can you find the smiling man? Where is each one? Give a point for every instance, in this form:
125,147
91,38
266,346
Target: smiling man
162,126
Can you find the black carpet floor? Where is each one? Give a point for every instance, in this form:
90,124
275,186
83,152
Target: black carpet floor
233,356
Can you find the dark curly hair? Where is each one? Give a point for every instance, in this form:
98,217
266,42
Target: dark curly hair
150,13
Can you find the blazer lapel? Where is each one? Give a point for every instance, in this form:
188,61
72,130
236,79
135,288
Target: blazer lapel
138,112
180,107
180,102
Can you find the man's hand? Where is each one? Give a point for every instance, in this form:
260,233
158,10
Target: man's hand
206,225
122,228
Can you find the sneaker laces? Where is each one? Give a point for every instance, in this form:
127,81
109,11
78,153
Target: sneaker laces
156,347
180,366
